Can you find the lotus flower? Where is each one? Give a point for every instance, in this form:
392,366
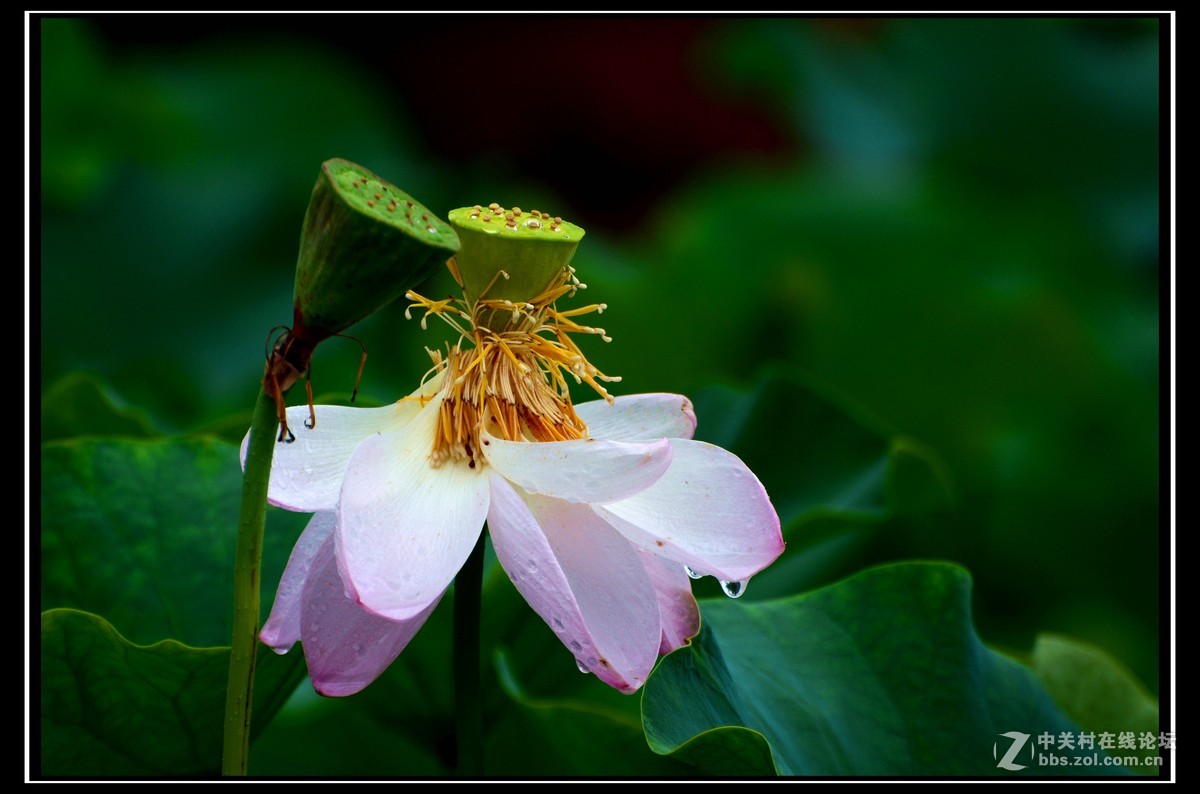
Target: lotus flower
597,512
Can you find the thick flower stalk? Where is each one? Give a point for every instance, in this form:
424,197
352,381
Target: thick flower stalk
596,511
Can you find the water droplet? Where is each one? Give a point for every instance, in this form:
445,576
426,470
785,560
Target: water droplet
692,573
531,566
358,648
582,669
314,627
575,646
558,624
734,589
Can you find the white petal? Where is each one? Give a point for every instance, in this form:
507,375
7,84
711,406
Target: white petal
345,646
582,578
639,417
676,605
282,629
405,527
708,511
306,475
589,470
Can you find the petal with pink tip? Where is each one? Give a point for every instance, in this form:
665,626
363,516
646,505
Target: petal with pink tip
588,470
639,417
676,605
345,646
405,527
282,629
582,578
708,511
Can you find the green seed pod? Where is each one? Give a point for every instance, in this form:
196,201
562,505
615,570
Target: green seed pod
364,243
531,247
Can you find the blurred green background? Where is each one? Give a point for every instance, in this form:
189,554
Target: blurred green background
953,224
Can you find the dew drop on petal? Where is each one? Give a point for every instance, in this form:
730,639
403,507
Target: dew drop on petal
581,667
558,624
692,573
575,646
734,589
358,648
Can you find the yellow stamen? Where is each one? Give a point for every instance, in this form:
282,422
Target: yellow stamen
510,383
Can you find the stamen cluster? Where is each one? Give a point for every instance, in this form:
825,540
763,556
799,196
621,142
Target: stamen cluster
508,371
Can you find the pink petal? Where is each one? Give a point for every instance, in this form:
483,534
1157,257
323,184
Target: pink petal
579,471
582,578
282,628
306,475
405,527
345,646
708,511
639,417
676,605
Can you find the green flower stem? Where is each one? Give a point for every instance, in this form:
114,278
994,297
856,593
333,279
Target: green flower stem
468,708
246,596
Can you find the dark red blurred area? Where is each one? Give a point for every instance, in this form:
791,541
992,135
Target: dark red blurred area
614,110
629,98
